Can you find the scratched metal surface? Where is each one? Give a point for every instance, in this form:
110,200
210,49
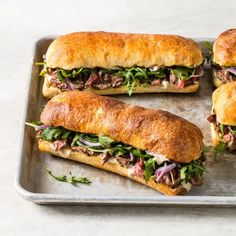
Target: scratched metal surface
34,184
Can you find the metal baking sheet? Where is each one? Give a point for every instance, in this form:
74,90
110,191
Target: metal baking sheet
34,184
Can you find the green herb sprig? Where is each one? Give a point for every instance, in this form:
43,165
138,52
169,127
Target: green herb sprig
72,179
193,169
209,55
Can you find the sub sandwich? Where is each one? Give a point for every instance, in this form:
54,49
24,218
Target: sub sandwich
152,147
224,58
223,117
116,63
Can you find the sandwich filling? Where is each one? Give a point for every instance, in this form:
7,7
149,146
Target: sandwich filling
100,78
225,75
227,134
144,164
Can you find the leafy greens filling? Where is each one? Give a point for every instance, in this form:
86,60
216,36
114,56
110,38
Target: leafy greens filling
100,144
132,76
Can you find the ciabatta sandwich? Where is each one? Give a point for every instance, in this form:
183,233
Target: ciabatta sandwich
115,63
153,147
224,58
223,117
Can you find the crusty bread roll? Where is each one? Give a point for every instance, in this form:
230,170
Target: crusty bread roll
109,50
224,48
156,131
50,91
224,103
112,166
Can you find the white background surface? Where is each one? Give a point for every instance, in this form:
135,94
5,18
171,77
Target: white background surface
21,24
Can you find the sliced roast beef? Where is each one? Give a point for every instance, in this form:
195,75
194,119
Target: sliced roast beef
105,157
59,144
82,150
224,75
196,181
123,161
93,79
138,168
59,84
116,81
212,118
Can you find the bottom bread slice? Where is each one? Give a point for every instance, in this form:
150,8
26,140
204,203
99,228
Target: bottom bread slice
50,91
111,166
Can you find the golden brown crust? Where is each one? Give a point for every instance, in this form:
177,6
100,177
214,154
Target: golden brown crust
224,48
114,167
109,50
153,130
224,103
50,91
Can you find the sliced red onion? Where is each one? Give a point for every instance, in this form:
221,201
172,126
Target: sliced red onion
232,70
131,156
199,73
40,127
88,143
163,170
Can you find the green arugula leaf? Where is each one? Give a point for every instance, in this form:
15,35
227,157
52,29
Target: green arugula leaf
221,127
209,55
75,139
232,131
54,133
208,45
161,73
72,179
90,137
183,73
206,149
219,149
105,141
59,75
184,174
118,150
65,73
149,169
192,169
140,153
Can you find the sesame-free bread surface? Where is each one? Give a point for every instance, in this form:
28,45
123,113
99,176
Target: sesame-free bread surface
224,48
110,50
